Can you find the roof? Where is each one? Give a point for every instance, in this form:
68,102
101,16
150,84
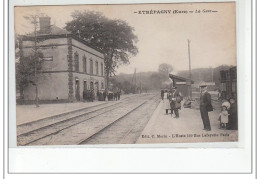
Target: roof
54,30
57,30
62,35
179,78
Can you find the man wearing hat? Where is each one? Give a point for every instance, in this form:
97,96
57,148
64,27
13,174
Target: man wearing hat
205,107
177,101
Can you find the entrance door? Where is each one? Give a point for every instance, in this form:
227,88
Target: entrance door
91,86
96,88
77,90
85,85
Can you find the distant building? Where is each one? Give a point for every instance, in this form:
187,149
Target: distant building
70,65
182,84
228,82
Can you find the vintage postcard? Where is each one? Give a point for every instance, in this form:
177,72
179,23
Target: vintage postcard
126,74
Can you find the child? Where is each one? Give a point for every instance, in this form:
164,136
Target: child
223,118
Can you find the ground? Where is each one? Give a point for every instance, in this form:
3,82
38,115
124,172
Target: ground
188,128
138,118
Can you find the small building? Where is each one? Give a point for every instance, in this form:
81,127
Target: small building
69,65
182,84
228,79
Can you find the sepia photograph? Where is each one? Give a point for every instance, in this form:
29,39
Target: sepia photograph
126,74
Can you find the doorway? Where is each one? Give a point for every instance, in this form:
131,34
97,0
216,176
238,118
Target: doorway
91,85
85,85
96,87
77,95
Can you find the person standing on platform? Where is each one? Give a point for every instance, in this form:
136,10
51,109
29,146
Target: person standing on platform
233,122
115,94
177,100
205,107
167,103
118,94
105,95
162,94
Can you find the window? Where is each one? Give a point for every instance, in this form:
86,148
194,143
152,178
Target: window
85,85
84,60
96,67
102,85
102,70
76,61
91,66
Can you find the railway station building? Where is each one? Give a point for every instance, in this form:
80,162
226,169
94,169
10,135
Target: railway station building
69,65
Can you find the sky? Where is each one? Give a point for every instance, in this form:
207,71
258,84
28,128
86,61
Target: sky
163,38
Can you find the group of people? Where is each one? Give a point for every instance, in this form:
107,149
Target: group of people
89,95
115,95
227,117
172,101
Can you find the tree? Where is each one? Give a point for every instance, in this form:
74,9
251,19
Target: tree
115,38
156,80
165,69
28,67
127,87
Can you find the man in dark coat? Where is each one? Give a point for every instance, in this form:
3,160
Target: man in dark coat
105,95
92,95
162,94
232,118
177,100
205,104
118,94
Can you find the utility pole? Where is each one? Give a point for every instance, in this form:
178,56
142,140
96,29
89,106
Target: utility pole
212,74
140,84
189,68
35,24
135,80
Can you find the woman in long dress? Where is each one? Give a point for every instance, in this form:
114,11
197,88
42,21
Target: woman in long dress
165,94
167,102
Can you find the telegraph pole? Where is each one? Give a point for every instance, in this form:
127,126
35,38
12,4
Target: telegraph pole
140,84
189,67
135,80
35,23
212,75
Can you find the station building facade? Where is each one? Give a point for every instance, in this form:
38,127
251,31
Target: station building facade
69,66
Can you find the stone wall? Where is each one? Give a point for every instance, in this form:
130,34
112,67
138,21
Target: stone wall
51,86
57,49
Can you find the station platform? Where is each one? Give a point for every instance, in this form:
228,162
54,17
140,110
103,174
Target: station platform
188,128
29,113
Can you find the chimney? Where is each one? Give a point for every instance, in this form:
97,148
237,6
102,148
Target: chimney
45,25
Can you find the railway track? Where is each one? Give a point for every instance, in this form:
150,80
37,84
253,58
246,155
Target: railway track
127,128
51,128
45,122
30,126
